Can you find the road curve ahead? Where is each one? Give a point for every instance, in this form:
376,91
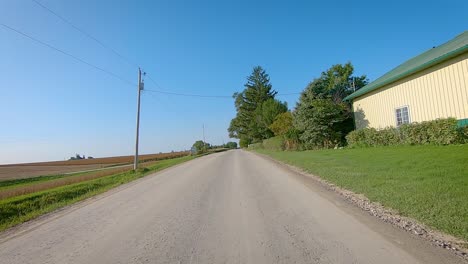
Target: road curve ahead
230,207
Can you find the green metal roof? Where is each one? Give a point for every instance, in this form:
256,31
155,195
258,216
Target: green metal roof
452,48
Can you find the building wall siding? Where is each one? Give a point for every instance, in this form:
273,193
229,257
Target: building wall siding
437,92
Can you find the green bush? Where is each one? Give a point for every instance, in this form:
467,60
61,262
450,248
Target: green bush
274,143
292,140
463,134
244,143
436,132
256,145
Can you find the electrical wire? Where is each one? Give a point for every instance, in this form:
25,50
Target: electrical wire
194,95
160,90
188,95
86,34
68,54
180,94
115,75
285,94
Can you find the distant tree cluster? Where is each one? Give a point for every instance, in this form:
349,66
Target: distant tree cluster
321,119
200,147
79,157
231,145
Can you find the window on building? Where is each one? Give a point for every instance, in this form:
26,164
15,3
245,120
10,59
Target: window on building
402,116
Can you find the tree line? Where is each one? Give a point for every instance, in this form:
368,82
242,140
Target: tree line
201,147
320,119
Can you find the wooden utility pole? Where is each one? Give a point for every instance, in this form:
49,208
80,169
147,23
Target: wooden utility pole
139,87
204,142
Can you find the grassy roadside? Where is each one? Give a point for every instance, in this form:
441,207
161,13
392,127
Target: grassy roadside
6,185
428,183
22,208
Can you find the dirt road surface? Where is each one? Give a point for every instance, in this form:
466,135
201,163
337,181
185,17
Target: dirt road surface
230,207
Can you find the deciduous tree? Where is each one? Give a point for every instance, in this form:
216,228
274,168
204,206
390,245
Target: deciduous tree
321,116
282,124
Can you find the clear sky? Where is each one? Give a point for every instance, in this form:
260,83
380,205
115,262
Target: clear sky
52,106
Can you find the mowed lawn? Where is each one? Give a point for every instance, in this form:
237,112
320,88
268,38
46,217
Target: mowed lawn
428,183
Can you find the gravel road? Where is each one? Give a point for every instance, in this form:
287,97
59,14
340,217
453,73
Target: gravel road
230,207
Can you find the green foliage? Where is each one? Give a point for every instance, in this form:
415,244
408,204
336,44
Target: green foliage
337,82
201,146
244,143
270,109
427,182
274,143
463,134
321,117
320,121
265,115
371,137
282,124
292,140
436,132
256,145
231,145
256,109
142,170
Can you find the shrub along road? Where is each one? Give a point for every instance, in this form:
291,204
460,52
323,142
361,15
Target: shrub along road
230,207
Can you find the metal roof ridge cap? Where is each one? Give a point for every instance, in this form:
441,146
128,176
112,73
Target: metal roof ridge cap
408,72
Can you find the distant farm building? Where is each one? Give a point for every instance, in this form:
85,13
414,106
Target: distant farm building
431,85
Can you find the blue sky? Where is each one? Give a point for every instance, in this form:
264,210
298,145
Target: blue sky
52,106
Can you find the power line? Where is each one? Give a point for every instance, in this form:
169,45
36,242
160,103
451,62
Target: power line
188,95
181,94
193,95
115,75
121,56
200,95
283,94
67,54
86,34
155,83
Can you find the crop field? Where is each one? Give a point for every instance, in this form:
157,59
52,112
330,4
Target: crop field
25,199
28,170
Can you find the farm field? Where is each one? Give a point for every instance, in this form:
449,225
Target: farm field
25,199
28,170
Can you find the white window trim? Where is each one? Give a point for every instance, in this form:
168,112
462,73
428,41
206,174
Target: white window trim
395,115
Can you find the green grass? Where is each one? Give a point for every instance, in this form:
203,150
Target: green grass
6,184
10,184
22,208
428,183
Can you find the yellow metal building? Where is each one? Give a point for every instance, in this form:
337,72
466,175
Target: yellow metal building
429,86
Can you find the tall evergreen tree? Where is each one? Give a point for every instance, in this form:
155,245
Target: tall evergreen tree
246,125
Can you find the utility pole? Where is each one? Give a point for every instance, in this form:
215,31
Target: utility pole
139,87
354,85
204,142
